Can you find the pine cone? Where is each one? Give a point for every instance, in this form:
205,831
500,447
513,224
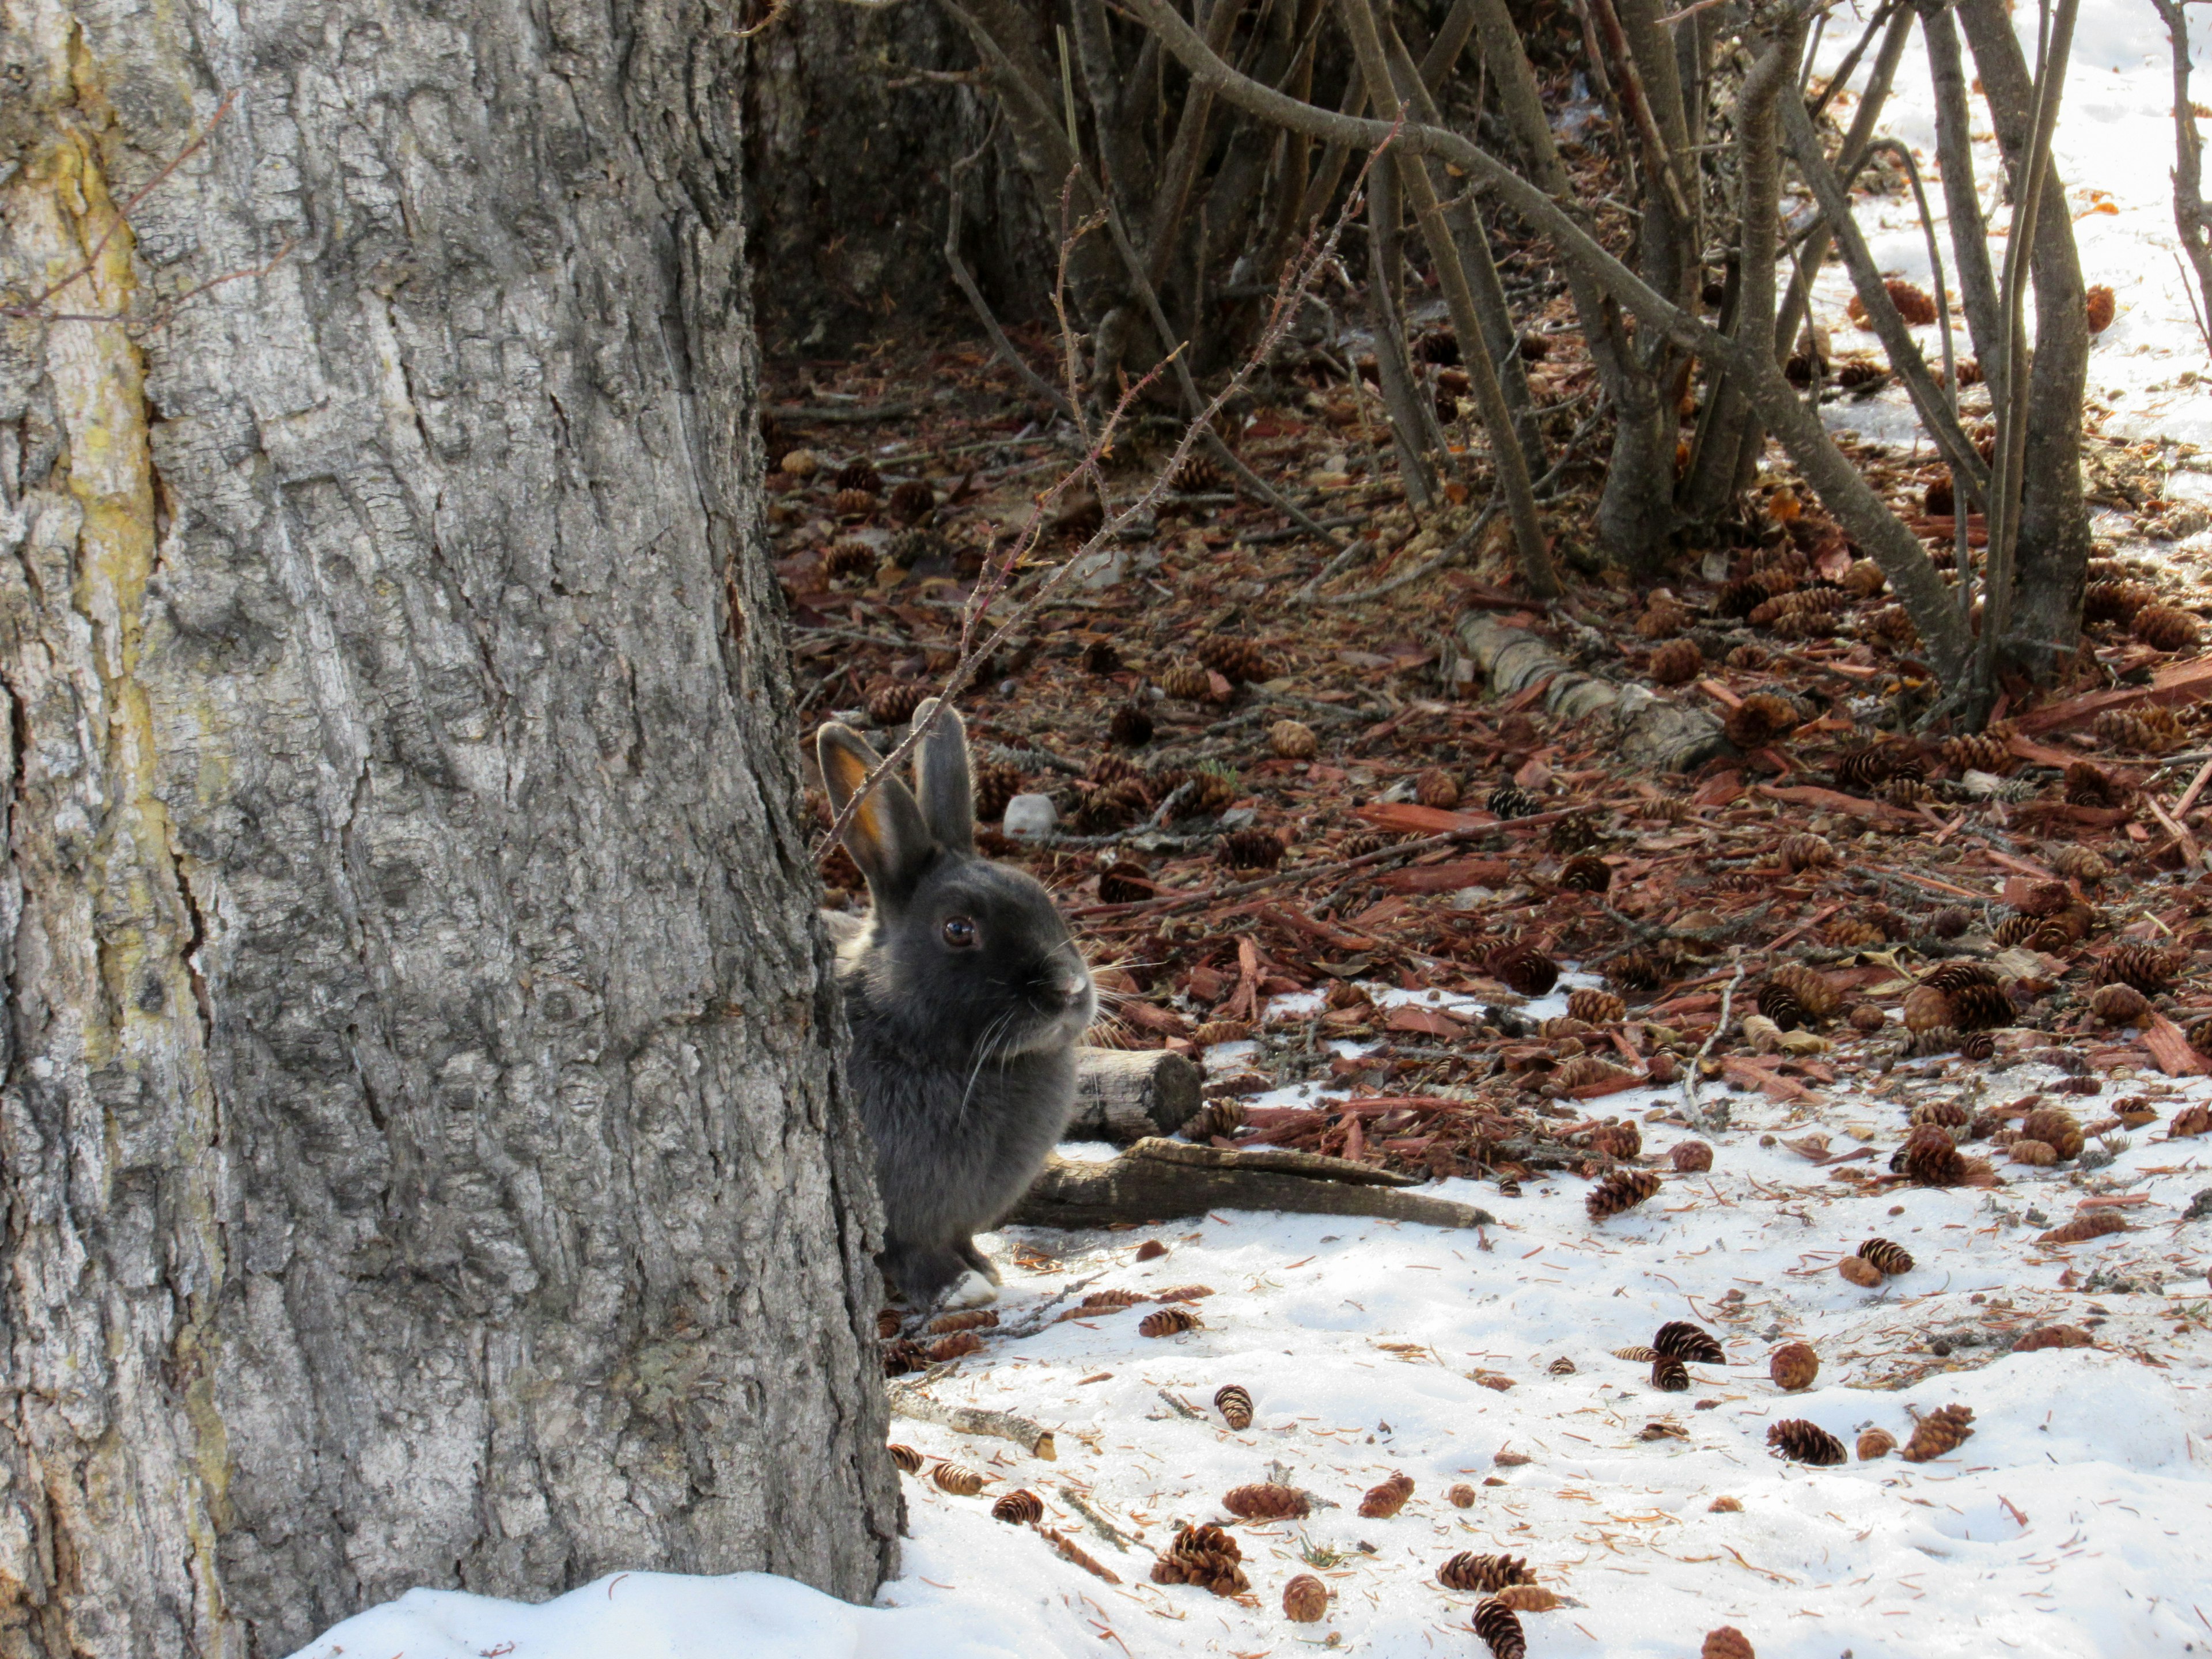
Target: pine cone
1204,1556
2099,308
895,703
1360,846
2190,1121
2036,1154
2116,599
1749,657
1864,579
1577,832
1484,1574
1814,994
1499,1627
911,501
1210,794
1235,1406
2052,1336
1250,849
958,1479
1805,1443
1804,852
1641,969
1669,1374
1293,740
1131,725
1779,1004
1621,1190
1663,617
975,1319
1115,1298
1860,1272
1110,767
1439,346
1930,1157
1691,1156
1436,788
1385,1500
1510,801
1222,1117
1957,976
946,1348
996,783
1196,474
908,1459
1977,751
1170,1322
1522,968
2055,1127
1305,1599
1675,663
2120,1005
1927,1009
911,548
2149,969
1876,1444
1726,1642
1793,1366
1235,659
1867,1018
2151,730
2083,1227
2015,930
1112,806
1020,1507
2164,628
1980,1007
1124,883
1596,1006
1893,624
1863,771
1892,1259
2086,785
1562,1366
848,559
1266,1500
1939,1432
1187,683
1949,922
1586,873
1944,1114
1680,1339
1759,720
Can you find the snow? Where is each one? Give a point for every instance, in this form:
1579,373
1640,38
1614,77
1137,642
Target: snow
2114,149
2069,1526
660,1615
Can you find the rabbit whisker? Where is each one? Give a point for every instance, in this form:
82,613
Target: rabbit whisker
982,1054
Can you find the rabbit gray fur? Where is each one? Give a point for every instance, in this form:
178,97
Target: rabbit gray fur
966,998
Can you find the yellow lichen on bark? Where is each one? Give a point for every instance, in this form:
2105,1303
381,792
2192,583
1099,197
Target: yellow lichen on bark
144,925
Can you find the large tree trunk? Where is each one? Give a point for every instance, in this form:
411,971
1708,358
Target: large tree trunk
419,1127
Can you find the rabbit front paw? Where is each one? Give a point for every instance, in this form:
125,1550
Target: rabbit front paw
970,1290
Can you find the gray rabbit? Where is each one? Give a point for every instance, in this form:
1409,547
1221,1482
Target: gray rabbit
966,997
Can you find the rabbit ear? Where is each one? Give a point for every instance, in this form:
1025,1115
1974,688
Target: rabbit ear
948,793
887,837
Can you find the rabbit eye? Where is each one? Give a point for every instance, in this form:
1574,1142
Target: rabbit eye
959,933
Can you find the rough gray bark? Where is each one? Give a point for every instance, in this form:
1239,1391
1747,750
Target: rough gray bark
423,1158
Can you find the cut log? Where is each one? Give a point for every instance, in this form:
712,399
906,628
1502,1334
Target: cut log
1032,1438
1654,733
1125,1095
1159,1180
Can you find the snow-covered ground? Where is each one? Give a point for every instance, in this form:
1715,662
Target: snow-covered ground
2070,1525
2114,149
